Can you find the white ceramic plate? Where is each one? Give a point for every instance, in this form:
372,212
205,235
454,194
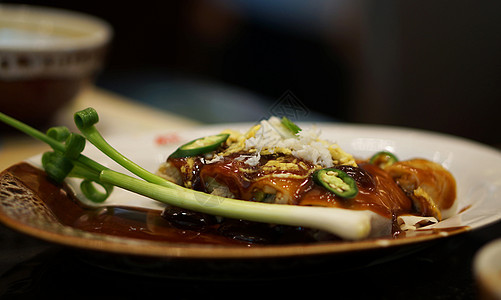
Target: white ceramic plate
477,169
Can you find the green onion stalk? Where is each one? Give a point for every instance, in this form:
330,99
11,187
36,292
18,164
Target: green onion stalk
66,160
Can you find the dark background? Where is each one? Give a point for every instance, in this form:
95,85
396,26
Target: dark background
429,64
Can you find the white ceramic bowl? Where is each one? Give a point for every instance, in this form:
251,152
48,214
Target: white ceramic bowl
46,56
487,270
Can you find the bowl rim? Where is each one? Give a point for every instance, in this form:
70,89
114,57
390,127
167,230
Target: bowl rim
487,263
93,32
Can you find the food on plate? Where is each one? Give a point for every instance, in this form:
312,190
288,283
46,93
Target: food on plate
277,177
276,162
430,186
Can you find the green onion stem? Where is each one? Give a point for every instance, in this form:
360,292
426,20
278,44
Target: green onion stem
66,160
348,224
56,165
85,121
59,133
53,143
74,145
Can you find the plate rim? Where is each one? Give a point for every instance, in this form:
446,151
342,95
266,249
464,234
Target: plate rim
163,249
130,246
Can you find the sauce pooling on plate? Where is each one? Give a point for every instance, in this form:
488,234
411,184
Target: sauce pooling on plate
145,224
151,225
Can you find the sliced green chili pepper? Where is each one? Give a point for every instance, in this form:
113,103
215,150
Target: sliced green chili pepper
337,182
383,159
290,125
200,146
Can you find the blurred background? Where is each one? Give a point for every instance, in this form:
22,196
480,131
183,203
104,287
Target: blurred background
433,65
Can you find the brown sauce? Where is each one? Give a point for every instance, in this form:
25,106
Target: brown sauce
151,225
438,182
384,197
240,178
123,222
378,192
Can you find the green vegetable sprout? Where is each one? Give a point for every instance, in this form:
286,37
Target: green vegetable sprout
66,160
